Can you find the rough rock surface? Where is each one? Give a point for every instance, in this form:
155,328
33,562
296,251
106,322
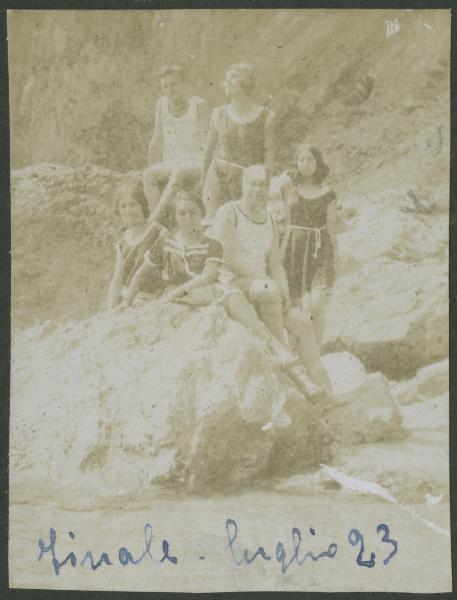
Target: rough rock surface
64,224
392,315
414,470
380,231
104,401
429,382
366,411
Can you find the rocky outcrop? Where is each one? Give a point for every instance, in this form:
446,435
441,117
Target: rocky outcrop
392,315
365,410
329,76
100,405
431,381
64,224
399,232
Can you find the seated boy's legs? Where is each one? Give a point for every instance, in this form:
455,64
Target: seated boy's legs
155,178
162,180
222,184
212,193
186,175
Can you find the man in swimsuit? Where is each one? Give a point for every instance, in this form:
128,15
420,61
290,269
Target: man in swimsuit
176,149
252,263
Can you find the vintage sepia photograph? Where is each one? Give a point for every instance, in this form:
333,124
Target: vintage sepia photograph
229,301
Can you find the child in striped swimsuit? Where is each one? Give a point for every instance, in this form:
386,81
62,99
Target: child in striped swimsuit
187,262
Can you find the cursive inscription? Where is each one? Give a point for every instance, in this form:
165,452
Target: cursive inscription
124,556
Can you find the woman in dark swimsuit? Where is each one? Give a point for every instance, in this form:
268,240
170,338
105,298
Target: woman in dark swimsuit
138,237
240,135
309,244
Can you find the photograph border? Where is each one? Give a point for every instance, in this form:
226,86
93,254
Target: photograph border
5,289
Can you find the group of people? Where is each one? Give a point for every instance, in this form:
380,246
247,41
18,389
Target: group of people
210,222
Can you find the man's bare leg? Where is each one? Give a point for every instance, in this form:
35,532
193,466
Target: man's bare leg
240,309
266,296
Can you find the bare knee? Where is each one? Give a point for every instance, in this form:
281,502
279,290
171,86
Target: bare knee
297,322
155,175
236,303
184,177
265,292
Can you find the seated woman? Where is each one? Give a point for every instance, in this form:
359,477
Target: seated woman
187,262
138,237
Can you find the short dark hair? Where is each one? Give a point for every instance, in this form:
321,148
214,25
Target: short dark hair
171,70
189,196
134,187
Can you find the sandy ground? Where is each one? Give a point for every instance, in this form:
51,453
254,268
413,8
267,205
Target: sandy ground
196,528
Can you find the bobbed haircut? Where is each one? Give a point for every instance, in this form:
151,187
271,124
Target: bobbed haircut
247,74
322,169
134,189
171,70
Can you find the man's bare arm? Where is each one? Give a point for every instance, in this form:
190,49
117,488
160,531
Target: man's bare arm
155,145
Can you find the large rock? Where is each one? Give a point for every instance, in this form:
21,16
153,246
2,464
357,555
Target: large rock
154,395
345,371
365,409
392,315
64,223
397,232
431,414
429,382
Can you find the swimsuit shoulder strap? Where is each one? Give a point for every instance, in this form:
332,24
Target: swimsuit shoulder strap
218,114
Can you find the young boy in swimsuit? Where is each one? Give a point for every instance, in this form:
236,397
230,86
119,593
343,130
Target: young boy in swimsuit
176,148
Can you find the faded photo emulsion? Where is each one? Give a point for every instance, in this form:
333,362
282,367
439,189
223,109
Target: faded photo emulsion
229,362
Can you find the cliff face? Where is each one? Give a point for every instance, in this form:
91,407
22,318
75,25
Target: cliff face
83,86
83,90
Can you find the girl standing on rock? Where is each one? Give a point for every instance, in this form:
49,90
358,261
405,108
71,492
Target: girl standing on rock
138,237
310,243
240,135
